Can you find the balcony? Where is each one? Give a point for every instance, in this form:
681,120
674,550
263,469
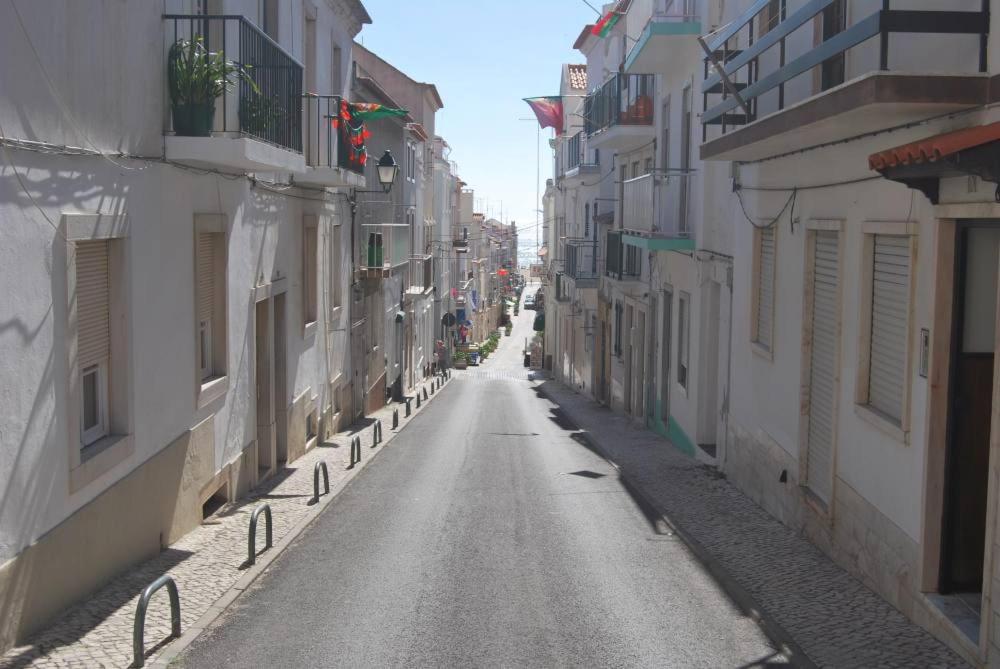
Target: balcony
384,250
576,160
251,126
562,288
656,48
654,212
326,148
802,87
619,115
624,260
421,274
581,262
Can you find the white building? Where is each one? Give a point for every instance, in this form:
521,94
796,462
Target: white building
175,303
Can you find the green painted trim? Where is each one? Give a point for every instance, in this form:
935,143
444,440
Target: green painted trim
660,28
671,431
659,243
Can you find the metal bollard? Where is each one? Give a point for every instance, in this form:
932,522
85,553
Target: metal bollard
376,433
425,393
355,452
408,406
432,387
252,539
395,418
139,629
418,400
326,481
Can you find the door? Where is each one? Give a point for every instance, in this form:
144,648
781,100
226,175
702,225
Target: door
971,394
823,355
638,394
629,355
264,375
668,310
358,369
650,361
281,399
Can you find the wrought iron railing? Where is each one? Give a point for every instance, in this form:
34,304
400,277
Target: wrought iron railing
758,30
624,99
326,143
270,107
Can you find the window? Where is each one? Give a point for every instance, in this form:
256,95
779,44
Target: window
763,298
309,49
635,169
633,260
665,140
93,285
621,193
649,166
886,379
309,278
685,158
586,220
618,329
832,70
683,338
336,64
769,17
211,295
668,314
269,18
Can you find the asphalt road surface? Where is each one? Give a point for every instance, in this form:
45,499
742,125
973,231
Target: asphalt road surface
485,535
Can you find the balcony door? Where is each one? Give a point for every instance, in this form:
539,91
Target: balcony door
834,22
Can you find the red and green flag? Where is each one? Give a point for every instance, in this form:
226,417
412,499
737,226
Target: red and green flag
548,111
367,111
604,27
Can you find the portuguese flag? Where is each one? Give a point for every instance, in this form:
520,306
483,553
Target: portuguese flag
367,111
603,27
548,111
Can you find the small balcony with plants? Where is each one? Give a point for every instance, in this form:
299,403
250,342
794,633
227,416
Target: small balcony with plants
235,96
619,115
672,23
330,143
655,212
783,75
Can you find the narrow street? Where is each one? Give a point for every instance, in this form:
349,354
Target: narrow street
485,535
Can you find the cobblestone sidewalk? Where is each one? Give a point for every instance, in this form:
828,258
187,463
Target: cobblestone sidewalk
831,616
205,563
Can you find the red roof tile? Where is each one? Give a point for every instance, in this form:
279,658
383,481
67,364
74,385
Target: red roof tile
934,148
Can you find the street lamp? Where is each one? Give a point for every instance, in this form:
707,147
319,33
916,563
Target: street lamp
387,171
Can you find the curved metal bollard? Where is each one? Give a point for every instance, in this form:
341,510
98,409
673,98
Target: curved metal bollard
326,482
139,630
252,539
408,410
355,452
377,433
395,418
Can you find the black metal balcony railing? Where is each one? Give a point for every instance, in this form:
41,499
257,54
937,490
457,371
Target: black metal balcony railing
581,259
326,142
624,260
624,99
269,110
752,80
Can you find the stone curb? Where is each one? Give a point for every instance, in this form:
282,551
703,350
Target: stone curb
736,592
174,649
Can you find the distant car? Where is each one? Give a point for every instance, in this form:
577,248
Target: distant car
529,301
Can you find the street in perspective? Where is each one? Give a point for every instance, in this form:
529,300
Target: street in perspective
360,333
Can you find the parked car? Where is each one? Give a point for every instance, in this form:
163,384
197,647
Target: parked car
529,301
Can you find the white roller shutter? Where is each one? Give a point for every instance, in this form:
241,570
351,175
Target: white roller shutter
206,275
890,308
93,310
823,361
765,288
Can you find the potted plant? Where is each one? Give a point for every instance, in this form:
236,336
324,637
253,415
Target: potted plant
461,360
508,328
196,77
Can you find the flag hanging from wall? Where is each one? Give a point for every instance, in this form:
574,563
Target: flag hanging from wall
367,111
548,111
607,23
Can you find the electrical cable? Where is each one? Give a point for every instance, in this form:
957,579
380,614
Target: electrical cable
770,224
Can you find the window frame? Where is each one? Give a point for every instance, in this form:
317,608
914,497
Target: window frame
870,229
213,386
683,339
100,430
310,273
765,350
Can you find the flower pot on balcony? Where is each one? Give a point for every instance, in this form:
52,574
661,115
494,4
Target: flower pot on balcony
193,119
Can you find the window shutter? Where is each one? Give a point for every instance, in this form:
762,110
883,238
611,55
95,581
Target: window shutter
93,287
765,288
206,275
890,307
309,290
823,360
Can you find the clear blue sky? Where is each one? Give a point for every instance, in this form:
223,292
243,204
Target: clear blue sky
484,57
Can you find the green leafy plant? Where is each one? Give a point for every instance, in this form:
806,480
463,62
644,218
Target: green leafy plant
461,355
258,112
196,77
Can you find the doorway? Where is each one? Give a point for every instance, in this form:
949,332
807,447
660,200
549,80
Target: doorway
963,536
